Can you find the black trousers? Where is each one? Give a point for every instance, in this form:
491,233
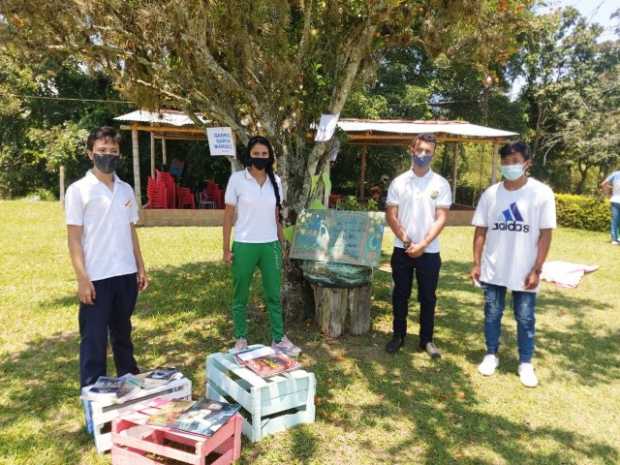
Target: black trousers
111,313
426,268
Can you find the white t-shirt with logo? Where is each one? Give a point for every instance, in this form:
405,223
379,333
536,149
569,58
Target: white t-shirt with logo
614,180
256,207
106,217
513,220
417,199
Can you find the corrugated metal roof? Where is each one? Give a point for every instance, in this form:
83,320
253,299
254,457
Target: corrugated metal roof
456,128
349,125
169,117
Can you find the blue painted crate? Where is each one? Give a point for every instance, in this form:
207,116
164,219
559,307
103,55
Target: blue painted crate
269,405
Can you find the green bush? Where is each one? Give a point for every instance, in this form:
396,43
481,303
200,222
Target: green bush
41,194
351,203
583,212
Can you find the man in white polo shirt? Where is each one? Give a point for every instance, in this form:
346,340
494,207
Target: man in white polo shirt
101,213
417,209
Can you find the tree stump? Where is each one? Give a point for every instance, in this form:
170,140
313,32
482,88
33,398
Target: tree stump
340,310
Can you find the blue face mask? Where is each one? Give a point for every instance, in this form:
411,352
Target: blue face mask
421,161
512,172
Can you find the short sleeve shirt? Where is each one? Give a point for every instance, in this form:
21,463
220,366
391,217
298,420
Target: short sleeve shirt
513,220
106,217
614,180
417,199
255,207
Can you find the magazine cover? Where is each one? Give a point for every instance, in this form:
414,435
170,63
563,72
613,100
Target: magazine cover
205,417
272,364
170,411
246,355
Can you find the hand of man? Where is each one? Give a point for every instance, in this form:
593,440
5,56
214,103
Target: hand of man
532,280
415,250
143,279
475,273
228,257
86,291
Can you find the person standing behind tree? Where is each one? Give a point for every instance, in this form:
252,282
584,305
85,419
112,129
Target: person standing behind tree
101,213
513,220
612,183
254,197
417,208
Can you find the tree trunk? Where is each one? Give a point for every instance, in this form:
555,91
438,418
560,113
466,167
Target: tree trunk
583,173
339,311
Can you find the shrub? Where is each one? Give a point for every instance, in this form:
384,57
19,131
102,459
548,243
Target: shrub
583,212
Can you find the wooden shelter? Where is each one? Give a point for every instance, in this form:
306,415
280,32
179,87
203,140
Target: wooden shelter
174,125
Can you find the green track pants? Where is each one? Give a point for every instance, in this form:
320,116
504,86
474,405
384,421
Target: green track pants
246,257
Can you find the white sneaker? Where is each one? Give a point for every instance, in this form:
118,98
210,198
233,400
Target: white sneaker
527,375
489,363
240,345
287,347
615,243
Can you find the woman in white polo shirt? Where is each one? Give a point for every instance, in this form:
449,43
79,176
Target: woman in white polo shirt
253,197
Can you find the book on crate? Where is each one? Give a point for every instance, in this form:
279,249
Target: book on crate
160,376
265,361
129,386
202,417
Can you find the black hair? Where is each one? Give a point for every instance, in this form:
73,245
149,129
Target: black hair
103,132
269,169
427,137
515,147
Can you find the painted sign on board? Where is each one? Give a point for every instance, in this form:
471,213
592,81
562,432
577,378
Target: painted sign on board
339,236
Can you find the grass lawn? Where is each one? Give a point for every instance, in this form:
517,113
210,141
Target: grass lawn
371,407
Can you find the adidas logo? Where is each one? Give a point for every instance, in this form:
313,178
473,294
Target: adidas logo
512,220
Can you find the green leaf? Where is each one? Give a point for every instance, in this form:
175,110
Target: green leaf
316,204
288,233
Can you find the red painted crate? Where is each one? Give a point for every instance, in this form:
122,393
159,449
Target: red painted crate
134,442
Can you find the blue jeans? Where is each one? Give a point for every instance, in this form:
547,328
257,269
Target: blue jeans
615,220
524,306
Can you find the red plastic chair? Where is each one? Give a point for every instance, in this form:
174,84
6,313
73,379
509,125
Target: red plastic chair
156,194
185,198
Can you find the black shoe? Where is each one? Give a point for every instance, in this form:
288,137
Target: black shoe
395,344
431,349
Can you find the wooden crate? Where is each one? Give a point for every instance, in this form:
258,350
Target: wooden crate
134,442
268,405
99,414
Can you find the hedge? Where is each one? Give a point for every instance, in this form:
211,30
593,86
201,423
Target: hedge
583,212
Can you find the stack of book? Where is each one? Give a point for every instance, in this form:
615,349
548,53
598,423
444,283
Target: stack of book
265,361
130,386
202,417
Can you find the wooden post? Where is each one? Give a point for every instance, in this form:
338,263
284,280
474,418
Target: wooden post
152,155
326,193
135,150
454,171
363,172
61,177
494,163
163,151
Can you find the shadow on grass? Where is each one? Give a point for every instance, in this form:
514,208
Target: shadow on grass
440,400
185,315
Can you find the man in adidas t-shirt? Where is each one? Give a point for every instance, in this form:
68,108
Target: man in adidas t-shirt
513,220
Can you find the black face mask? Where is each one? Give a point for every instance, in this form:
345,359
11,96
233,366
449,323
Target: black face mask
260,163
105,162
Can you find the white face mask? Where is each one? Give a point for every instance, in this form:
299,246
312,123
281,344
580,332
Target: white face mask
512,172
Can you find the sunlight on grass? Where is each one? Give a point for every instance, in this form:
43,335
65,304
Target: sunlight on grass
371,407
